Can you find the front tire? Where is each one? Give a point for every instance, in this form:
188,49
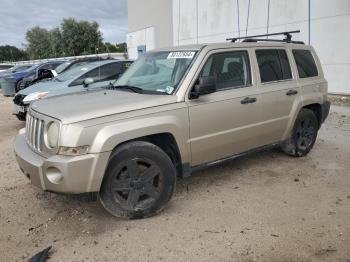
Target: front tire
303,135
139,181
20,85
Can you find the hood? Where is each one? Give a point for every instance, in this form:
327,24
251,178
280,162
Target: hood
94,104
21,74
44,86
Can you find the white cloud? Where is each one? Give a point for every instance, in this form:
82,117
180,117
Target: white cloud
17,16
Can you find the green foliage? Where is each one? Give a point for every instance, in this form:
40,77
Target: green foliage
39,44
12,54
72,38
80,37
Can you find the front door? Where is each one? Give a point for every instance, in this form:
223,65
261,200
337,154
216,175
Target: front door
226,122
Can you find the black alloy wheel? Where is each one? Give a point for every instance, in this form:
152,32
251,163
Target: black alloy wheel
139,181
304,134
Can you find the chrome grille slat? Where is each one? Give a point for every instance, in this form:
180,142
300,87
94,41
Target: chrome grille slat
30,130
34,132
38,135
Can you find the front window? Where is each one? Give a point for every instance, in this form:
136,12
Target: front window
157,71
230,69
70,74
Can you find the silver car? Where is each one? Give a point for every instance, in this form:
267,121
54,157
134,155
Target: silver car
84,77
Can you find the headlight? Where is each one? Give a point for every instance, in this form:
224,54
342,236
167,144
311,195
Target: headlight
34,96
52,134
73,151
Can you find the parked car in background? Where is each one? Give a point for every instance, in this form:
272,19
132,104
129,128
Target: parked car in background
83,77
5,67
12,82
47,74
9,73
35,71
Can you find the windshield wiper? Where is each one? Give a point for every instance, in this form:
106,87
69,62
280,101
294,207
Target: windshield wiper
127,87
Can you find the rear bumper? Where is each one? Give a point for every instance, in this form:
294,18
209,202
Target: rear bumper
325,110
61,174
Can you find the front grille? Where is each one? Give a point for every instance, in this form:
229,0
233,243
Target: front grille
35,132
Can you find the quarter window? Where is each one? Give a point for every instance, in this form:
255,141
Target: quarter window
273,65
230,69
305,63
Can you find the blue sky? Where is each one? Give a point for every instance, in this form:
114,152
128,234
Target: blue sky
17,16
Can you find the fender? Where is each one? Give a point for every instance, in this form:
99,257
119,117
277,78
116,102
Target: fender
302,101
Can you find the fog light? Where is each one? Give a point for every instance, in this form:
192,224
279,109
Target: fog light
54,175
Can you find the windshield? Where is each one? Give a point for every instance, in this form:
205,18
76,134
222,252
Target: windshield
62,67
72,73
157,71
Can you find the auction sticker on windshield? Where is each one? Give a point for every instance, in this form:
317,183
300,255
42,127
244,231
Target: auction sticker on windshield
180,55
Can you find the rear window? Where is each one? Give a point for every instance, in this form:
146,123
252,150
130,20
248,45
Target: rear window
305,63
273,65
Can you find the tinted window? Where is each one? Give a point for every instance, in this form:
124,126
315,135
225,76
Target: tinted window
273,65
103,73
55,65
230,69
5,67
305,63
125,66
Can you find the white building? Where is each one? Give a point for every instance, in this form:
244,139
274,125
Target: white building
324,24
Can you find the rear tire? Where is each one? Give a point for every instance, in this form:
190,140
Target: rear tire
139,181
303,135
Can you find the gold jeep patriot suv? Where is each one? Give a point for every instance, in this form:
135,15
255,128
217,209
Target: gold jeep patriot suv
173,111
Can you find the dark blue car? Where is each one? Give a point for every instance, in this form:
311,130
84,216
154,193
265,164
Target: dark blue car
12,82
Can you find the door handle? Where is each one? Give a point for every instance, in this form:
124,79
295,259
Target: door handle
292,92
248,100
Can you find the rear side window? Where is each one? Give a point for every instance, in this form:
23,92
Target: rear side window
102,73
305,63
273,65
230,69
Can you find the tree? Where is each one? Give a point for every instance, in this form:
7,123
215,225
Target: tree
12,54
57,47
39,43
80,37
121,47
71,38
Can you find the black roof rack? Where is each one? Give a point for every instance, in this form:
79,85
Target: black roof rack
287,39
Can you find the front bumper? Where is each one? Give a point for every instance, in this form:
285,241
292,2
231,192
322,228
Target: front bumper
20,108
61,174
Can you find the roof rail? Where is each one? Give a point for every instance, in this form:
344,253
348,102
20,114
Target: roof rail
287,39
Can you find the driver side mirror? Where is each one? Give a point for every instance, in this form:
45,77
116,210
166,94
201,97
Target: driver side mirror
54,73
88,81
206,85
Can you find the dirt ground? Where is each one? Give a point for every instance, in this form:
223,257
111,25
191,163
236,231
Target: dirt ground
262,207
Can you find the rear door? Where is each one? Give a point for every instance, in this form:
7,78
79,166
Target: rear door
226,122
279,92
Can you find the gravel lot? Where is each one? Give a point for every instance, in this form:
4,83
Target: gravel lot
262,207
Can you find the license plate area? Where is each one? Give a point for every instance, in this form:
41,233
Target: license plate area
20,109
